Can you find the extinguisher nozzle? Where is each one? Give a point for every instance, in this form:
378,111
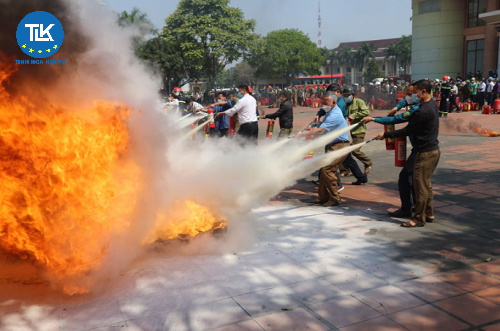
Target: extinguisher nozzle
369,141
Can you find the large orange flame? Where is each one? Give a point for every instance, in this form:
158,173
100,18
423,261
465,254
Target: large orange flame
67,186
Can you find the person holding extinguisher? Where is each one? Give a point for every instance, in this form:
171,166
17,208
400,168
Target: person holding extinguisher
405,182
445,97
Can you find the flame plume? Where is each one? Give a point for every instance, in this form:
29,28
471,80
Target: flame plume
485,132
68,186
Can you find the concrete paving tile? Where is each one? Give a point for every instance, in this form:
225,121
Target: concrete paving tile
136,283
252,281
345,311
314,291
173,278
243,326
215,314
20,316
329,265
381,323
90,316
491,294
491,268
291,273
173,321
427,318
454,210
471,308
298,320
494,327
355,281
267,301
150,304
469,280
430,288
388,299
394,271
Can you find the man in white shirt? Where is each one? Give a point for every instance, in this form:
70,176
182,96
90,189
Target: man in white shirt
246,108
489,91
481,89
453,98
194,106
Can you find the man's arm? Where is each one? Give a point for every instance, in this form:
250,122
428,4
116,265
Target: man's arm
406,131
283,109
233,110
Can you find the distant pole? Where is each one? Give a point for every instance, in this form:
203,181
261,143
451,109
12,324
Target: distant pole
319,24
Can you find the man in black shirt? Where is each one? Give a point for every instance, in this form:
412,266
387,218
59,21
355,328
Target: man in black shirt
424,124
285,114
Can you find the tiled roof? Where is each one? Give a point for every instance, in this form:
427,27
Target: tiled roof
381,43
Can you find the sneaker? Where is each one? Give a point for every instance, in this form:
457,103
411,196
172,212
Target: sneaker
341,188
360,181
315,182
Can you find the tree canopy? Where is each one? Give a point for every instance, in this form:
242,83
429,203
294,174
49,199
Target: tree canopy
373,71
287,53
210,34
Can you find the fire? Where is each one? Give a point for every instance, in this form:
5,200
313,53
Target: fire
486,132
186,219
67,186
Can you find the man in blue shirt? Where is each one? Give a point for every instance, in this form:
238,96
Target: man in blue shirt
328,194
405,182
222,123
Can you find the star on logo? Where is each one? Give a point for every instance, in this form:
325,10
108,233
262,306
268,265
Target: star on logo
48,50
55,47
24,46
31,50
40,52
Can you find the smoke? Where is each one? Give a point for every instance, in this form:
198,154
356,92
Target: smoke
457,124
221,175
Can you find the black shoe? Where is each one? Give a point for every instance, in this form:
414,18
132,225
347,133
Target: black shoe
360,182
400,214
315,182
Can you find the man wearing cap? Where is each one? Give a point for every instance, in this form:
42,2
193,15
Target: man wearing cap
356,111
247,116
445,97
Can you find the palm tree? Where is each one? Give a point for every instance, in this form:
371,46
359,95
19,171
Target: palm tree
392,51
345,56
331,59
138,18
404,51
365,52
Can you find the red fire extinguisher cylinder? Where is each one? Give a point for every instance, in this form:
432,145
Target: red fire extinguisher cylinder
389,142
400,153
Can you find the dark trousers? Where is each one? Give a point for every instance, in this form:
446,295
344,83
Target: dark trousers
480,96
443,107
405,184
249,132
224,132
328,185
473,98
352,165
453,102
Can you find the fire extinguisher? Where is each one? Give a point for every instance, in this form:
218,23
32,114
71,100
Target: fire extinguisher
210,113
389,142
270,129
400,152
232,125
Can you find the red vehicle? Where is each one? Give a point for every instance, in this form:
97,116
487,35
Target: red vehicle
315,81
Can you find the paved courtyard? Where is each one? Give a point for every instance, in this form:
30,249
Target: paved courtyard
313,268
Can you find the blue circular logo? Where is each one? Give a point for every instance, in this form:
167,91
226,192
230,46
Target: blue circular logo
40,34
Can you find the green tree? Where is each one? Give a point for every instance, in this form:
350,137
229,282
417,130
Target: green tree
210,34
365,52
166,59
392,51
138,19
404,52
287,53
345,56
373,71
244,73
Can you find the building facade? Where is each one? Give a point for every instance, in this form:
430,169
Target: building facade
457,38
388,65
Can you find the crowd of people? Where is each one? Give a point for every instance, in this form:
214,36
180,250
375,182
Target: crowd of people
341,107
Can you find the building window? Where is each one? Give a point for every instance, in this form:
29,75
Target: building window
338,70
383,67
348,69
430,6
476,7
475,56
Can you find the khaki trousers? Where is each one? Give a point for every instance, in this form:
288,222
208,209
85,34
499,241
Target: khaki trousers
284,133
356,139
328,190
425,164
